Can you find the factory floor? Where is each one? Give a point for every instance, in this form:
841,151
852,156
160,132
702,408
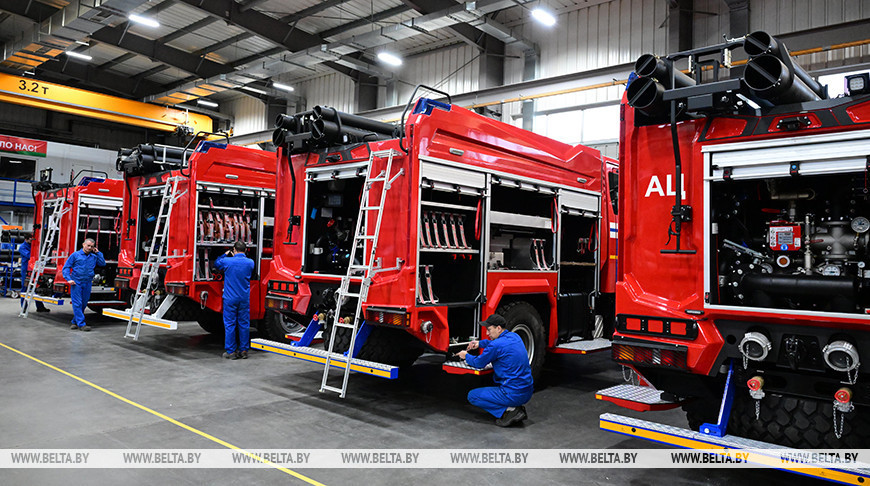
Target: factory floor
63,389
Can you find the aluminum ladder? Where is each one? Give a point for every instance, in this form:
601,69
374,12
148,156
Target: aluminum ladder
369,267
157,255
45,247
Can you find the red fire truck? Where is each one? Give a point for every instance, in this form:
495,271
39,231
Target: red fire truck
223,193
87,207
742,291
423,235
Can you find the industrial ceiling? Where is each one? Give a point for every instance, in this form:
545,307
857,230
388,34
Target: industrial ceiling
209,48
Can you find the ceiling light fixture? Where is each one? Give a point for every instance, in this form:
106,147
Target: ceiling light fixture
210,104
143,20
285,87
79,55
254,90
391,59
543,17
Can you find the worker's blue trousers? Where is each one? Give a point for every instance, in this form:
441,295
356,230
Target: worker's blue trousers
237,316
495,399
80,294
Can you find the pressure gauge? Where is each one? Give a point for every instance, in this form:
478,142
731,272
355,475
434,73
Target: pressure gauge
860,224
831,271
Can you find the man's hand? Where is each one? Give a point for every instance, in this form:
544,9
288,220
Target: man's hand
72,282
473,345
462,354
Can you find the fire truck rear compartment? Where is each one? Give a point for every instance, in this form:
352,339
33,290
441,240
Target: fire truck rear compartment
791,243
333,207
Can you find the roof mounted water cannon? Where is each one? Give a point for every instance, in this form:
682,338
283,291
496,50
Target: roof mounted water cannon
783,82
327,127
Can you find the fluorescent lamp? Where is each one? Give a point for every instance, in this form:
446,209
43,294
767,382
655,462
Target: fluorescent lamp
254,90
83,43
543,17
79,55
285,87
210,104
14,161
143,20
390,59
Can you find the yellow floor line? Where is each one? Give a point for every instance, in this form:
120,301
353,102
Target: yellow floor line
164,417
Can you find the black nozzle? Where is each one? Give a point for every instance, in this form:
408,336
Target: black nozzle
760,43
291,123
348,120
770,79
651,66
646,95
279,137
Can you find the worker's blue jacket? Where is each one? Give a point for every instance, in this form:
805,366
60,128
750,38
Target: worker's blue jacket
510,362
80,266
24,251
237,276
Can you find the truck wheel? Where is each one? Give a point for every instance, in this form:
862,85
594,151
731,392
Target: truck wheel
802,423
389,346
183,309
523,319
276,325
211,321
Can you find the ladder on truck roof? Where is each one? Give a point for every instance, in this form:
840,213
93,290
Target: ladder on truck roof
368,268
57,211
157,255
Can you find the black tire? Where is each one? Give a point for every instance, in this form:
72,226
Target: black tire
802,423
211,321
523,319
275,326
183,309
389,346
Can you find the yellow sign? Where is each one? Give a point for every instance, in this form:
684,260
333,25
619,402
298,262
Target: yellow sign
56,97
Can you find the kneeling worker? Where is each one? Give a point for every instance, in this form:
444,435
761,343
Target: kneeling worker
510,366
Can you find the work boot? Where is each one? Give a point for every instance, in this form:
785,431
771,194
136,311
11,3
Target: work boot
74,327
230,355
243,354
86,328
511,417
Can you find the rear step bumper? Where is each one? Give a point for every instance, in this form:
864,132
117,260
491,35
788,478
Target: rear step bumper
585,346
634,397
763,453
462,368
318,356
124,315
45,299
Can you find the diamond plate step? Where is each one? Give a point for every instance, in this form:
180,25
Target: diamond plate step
317,355
462,368
633,397
757,452
584,346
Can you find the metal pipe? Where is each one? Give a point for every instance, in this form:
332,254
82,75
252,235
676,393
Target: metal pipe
646,95
769,78
761,43
356,121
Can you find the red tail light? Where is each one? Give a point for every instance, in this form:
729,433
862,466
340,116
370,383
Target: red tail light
649,355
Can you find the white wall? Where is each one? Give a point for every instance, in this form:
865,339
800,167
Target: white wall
335,90
249,113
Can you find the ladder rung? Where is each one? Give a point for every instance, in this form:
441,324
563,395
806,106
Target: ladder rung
358,267
365,237
349,294
332,389
377,179
348,326
370,208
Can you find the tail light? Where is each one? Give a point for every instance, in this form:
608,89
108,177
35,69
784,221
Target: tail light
177,289
279,303
650,355
384,317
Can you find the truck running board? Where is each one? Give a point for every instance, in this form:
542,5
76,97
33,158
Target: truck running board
462,368
44,298
317,355
124,315
772,457
584,346
633,397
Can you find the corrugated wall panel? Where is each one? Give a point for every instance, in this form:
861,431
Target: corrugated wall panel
334,90
249,113
455,70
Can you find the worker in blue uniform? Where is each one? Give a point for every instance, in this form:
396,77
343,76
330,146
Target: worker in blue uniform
79,272
237,269
511,370
24,251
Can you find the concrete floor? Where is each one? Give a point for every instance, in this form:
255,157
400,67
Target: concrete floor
272,402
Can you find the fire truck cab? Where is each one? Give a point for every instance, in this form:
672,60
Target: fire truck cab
479,217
